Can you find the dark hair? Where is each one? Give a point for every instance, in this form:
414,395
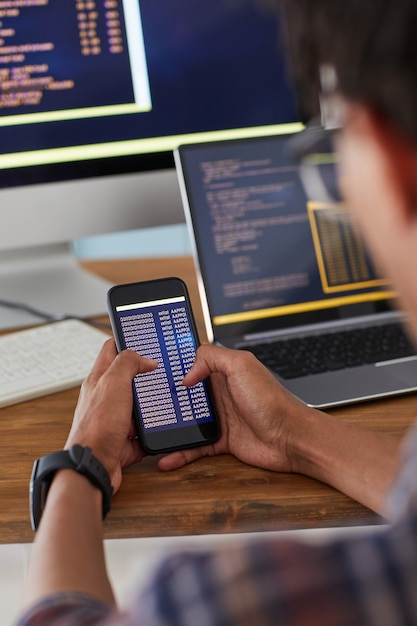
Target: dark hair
372,45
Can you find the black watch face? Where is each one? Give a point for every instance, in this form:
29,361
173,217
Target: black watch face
36,498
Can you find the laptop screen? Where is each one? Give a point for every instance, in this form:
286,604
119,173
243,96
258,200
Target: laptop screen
264,249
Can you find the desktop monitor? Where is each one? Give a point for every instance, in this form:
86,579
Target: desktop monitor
94,97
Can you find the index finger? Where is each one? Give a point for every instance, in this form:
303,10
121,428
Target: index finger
104,359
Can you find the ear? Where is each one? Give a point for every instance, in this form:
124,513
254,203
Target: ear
399,154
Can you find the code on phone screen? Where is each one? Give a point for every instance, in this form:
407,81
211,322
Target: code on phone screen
161,330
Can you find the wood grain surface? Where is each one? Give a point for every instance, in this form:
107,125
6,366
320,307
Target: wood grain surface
216,495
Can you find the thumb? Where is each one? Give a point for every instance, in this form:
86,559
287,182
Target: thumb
209,360
131,363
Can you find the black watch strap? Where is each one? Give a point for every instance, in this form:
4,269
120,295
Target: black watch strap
77,458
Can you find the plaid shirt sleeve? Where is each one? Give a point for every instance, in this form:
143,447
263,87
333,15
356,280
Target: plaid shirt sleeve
366,580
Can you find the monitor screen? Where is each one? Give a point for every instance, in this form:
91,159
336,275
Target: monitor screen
89,83
94,97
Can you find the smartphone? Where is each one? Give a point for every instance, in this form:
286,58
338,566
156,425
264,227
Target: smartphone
155,319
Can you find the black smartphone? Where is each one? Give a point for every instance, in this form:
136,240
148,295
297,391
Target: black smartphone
155,319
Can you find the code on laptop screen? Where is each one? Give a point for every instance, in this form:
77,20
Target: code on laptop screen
264,248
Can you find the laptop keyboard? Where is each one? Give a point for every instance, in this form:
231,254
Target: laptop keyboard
296,357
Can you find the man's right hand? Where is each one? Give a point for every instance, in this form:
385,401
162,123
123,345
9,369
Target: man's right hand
263,425
253,408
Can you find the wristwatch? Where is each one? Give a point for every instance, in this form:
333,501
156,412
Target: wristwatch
77,458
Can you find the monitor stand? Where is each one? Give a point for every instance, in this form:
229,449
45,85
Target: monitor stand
49,279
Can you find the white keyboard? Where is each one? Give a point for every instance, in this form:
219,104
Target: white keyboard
46,359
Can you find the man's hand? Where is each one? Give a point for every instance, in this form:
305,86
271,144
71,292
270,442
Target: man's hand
103,417
254,410
263,425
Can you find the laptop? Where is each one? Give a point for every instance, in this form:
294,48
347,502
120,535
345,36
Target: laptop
289,278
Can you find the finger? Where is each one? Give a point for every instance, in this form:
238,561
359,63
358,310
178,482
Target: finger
129,364
132,453
175,460
104,359
209,360
108,355
132,434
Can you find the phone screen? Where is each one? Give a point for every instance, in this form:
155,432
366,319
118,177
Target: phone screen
169,414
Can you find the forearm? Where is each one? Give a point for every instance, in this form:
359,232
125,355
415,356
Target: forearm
68,553
362,464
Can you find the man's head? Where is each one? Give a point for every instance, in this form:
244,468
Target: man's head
372,46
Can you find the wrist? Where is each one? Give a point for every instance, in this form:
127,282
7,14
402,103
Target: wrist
78,459
101,452
307,449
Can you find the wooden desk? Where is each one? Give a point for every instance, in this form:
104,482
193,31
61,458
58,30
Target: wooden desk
216,495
